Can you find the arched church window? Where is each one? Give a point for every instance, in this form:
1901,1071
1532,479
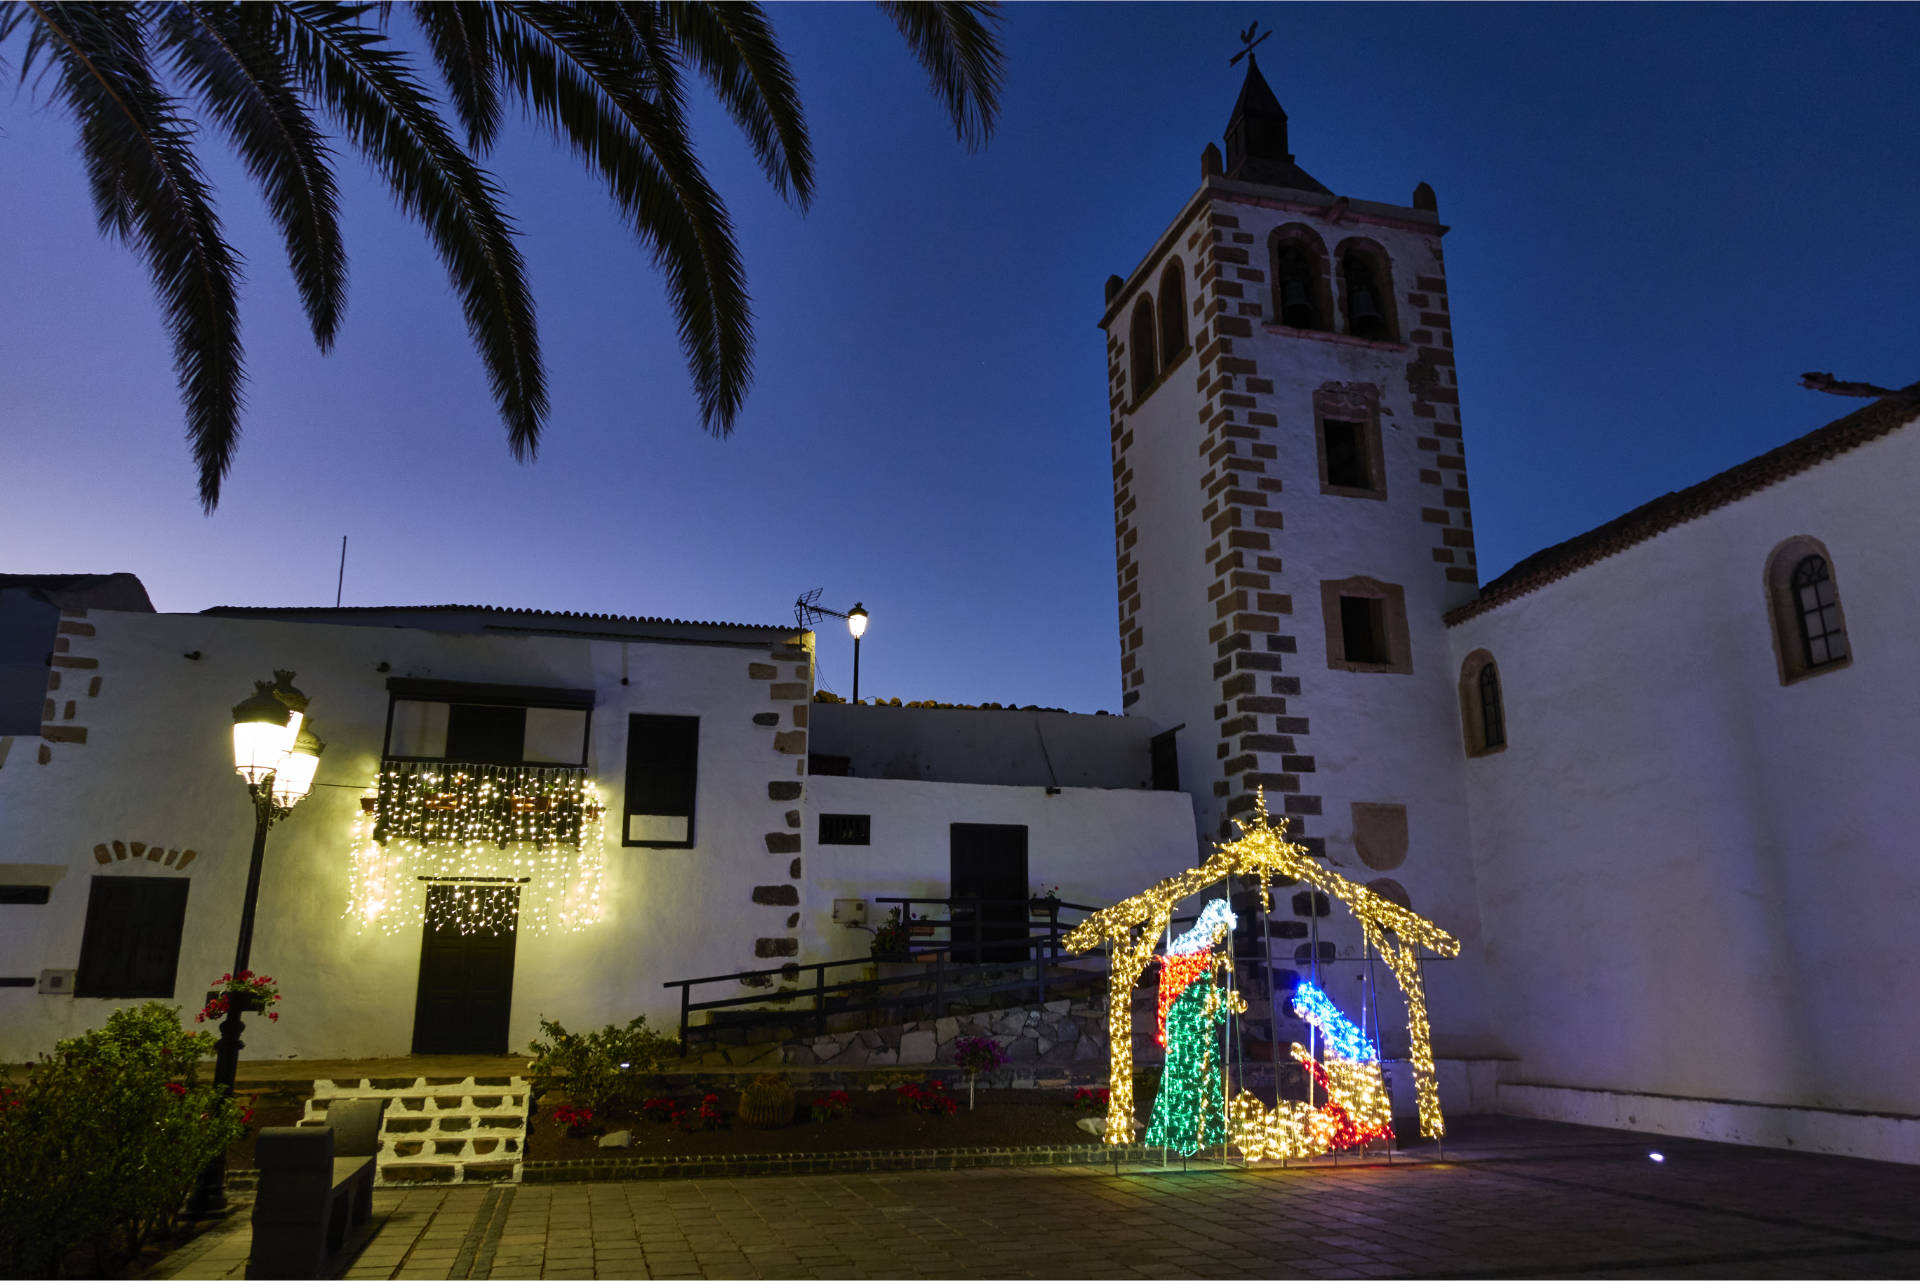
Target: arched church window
1140,339
1366,289
1818,610
1803,597
1483,716
1299,273
1493,724
1173,314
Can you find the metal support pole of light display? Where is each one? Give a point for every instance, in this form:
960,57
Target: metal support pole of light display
276,755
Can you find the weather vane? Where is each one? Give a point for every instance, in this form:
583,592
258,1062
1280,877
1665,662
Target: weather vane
1249,40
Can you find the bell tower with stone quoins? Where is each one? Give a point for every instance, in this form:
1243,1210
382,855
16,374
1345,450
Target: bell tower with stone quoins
1290,500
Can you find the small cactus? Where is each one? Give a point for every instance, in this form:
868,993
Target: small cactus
767,1102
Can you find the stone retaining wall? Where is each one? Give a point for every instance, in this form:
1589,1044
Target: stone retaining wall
1051,1041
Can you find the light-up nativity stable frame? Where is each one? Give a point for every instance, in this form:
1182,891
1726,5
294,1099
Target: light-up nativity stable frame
1350,1073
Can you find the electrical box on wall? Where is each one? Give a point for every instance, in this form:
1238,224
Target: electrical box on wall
849,911
56,982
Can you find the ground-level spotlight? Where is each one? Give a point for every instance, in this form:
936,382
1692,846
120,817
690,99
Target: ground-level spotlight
1658,1158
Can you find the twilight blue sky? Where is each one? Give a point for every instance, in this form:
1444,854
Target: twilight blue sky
1661,215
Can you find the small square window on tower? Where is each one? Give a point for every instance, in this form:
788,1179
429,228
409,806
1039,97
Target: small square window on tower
1347,422
1366,625
1363,630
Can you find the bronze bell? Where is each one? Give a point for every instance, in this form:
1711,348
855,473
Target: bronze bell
1363,312
1296,304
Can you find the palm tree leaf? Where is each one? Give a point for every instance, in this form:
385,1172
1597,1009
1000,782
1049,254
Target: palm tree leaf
735,49
148,188
460,36
957,44
371,91
579,77
222,53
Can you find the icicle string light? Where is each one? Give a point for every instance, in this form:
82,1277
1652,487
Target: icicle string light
557,867
1131,928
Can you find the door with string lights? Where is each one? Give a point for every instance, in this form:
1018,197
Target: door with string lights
465,995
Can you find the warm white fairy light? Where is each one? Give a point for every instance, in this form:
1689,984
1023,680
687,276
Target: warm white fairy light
475,826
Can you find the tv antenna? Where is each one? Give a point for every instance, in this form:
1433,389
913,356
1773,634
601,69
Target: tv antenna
806,612
1249,40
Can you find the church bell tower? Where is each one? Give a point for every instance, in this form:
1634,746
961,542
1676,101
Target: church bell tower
1290,503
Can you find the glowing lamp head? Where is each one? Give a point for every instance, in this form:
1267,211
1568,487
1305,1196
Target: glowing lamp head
263,733
857,620
294,779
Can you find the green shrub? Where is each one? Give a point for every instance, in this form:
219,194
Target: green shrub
104,1139
610,1071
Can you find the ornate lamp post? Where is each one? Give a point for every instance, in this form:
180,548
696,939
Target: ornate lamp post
276,755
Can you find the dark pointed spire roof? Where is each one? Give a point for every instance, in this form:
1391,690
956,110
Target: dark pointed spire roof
1256,96
1257,138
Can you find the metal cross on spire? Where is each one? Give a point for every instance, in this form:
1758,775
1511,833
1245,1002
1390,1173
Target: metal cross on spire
1248,40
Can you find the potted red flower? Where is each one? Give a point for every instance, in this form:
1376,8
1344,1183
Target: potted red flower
246,991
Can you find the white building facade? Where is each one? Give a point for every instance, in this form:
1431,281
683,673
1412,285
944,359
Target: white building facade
1656,779
518,815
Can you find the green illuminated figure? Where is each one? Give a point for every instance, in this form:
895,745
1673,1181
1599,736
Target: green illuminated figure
1189,1112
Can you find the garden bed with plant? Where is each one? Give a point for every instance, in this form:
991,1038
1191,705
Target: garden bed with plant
903,1114
607,1094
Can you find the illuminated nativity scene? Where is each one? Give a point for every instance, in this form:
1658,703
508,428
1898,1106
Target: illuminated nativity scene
1348,1103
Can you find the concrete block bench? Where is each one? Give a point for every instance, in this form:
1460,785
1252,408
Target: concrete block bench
316,1186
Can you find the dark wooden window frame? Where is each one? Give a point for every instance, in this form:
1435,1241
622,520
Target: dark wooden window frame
468,693
635,723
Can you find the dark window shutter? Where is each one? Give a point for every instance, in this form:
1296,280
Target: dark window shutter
132,942
846,829
483,735
663,757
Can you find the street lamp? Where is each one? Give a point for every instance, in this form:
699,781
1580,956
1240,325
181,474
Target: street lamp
276,755
857,624
808,611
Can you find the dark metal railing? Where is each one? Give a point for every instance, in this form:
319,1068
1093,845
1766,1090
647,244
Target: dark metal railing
983,955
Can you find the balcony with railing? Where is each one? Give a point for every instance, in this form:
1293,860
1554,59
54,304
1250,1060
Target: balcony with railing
468,803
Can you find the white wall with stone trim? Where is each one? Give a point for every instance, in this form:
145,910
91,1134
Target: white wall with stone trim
1098,845
156,767
1369,737
1697,882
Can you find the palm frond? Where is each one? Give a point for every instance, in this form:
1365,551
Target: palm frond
386,112
956,42
460,37
733,46
223,54
580,80
149,189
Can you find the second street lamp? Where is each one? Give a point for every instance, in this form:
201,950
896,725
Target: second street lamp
276,755
857,624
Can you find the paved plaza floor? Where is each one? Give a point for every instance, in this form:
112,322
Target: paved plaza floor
1512,1198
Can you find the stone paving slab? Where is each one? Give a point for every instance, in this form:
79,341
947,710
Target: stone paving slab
1514,1198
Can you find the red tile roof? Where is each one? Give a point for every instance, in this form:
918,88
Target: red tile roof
1663,513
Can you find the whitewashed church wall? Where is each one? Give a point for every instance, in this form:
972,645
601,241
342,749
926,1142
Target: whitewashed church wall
1171,555
156,768
1097,845
1696,881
